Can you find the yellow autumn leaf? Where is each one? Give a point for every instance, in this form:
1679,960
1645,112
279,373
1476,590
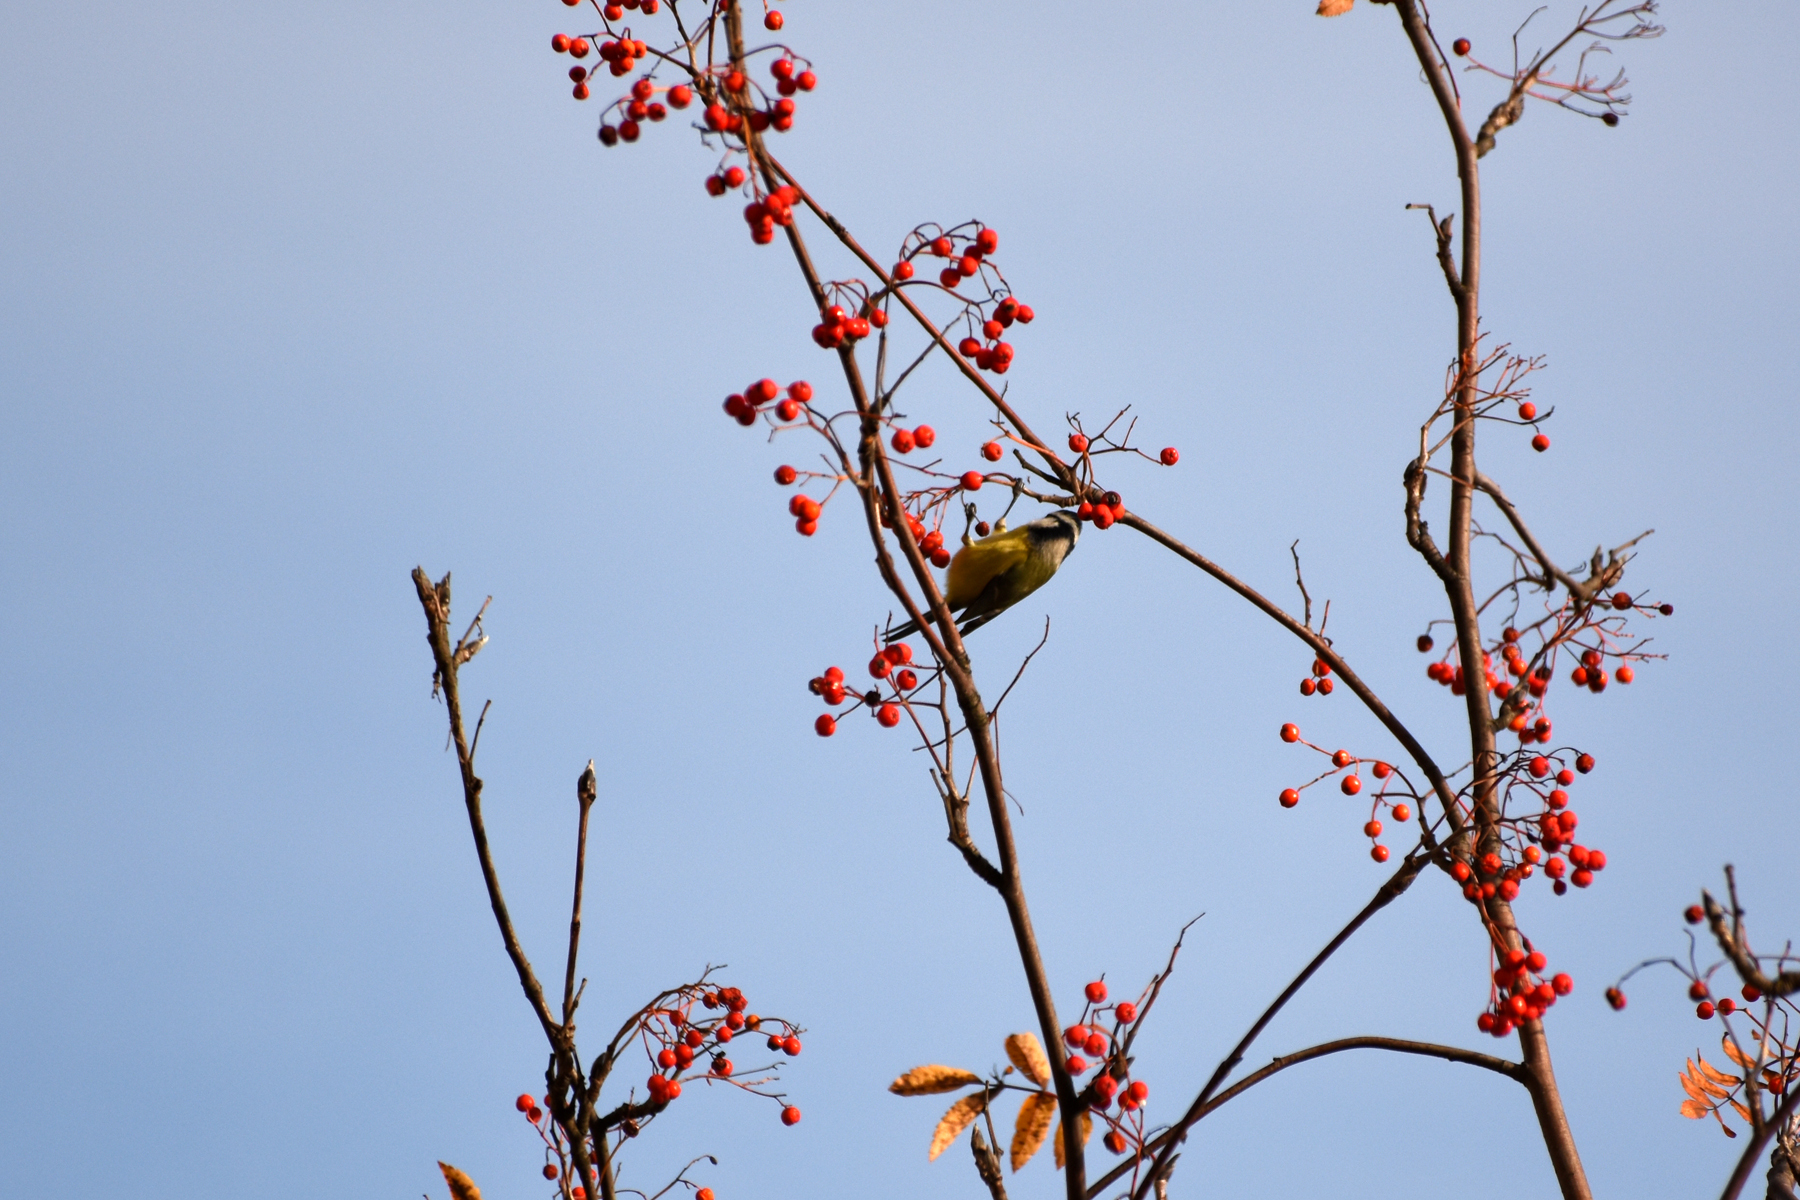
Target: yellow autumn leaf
1334,8
461,1186
1694,1109
930,1080
1734,1054
1087,1131
956,1120
1027,1054
1031,1128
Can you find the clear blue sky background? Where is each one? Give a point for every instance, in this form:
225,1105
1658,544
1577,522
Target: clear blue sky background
295,298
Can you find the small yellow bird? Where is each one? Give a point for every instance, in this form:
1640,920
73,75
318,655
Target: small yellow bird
990,576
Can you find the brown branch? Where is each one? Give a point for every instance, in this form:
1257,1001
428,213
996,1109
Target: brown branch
436,602
987,1164
1501,1066
1440,785
585,792
1747,1160
1385,895
951,654
1735,946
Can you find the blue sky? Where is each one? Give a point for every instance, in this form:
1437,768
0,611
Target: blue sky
294,299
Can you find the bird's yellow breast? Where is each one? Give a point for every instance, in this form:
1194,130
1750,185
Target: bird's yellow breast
976,565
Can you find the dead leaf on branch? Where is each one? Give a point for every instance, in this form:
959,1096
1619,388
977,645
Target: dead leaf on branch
930,1080
1734,1054
1694,1109
1027,1054
461,1186
1717,1076
1087,1131
1335,8
1032,1127
956,1120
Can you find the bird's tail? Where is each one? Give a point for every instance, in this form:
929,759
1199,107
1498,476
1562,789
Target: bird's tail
895,632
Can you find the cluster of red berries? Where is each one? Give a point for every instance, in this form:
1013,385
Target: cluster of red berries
614,10
1352,785
839,327
1521,992
1087,1040
682,1040
890,665
1540,441
762,396
1319,681
737,110
1105,514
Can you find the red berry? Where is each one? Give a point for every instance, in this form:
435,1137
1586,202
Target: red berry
771,22
1372,829
524,1103
790,1115
924,436
988,240
1114,1141
1095,1044
902,270
1584,763
790,1045
1402,813
992,451
1540,443
1126,1012
1539,767
1352,784
704,1194
806,81
1290,732
535,1115
906,681
1562,984
680,96
902,441
888,716
1625,674
1460,47
1170,456
1752,993
579,47
1342,759
1379,853
1076,1035
1139,1091
1095,992
825,726
940,557
1076,1064
972,481
560,43
1704,1010
550,1171
1289,797
1694,914
1615,998
1078,443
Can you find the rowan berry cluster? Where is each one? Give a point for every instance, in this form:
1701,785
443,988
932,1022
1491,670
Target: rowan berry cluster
683,1045
890,668
1319,682
1522,844
1092,1046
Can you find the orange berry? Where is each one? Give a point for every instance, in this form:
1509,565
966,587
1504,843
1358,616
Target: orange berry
1289,797
992,451
825,726
972,481
888,716
790,1115
1402,813
1352,784
1290,732
1095,992
1078,443
1170,456
923,436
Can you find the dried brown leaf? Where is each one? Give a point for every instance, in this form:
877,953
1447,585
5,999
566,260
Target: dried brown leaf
930,1080
1027,1054
1032,1127
1717,1076
1087,1131
1741,1110
956,1120
1694,1109
461,1186
1695,1084
1334,8
1735,1055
